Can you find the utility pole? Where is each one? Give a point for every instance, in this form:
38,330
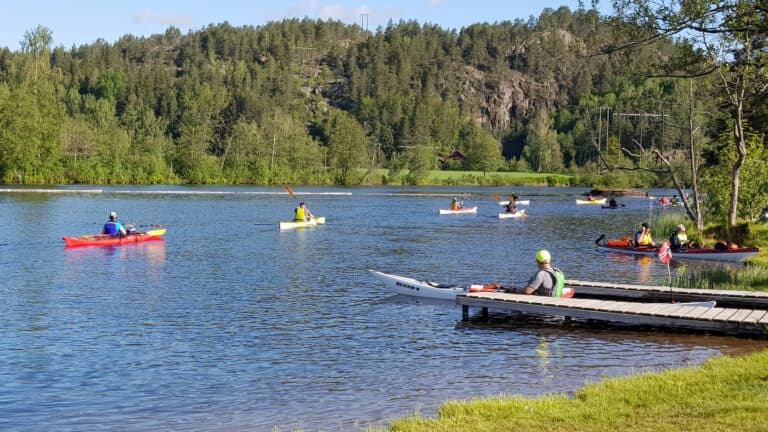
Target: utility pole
364,21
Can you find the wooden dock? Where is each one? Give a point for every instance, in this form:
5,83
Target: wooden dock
655,294
734,321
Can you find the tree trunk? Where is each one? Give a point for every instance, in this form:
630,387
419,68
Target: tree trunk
741,147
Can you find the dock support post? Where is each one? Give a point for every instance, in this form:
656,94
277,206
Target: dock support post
464,313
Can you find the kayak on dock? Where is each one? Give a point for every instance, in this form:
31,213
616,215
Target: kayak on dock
107,240
313,222
416,288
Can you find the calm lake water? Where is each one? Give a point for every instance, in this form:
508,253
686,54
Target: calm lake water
232,325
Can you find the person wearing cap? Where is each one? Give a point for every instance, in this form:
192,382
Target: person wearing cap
643,237
455,204
547,281
302,213
679,240
113,227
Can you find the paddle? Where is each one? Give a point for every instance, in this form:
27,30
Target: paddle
290,192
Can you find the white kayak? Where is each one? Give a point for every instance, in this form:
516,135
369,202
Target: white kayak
302,224
522,202
520,213
412,287
459,211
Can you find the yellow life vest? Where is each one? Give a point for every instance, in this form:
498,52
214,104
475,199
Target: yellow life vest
299,214
645,240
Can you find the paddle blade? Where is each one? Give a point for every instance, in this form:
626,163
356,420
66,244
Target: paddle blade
290,192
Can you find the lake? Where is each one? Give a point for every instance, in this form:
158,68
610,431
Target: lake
231,325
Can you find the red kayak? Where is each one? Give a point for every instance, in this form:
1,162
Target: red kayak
107,240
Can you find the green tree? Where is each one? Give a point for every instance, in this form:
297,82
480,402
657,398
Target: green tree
346,146
730,34
542,150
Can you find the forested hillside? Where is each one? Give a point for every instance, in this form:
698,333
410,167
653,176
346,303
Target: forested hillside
316,102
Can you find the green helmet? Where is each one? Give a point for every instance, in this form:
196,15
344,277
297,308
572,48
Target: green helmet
543,256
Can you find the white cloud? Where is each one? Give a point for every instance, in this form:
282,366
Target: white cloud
150,18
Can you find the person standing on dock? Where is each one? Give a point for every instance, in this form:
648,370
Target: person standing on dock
547,281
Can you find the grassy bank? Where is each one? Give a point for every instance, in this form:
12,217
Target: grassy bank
467,178
724,394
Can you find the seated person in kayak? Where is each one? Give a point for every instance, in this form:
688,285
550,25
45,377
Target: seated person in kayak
302,213
512,197
613,203
643,237
679,240
547,281
511,207
674,201
113,227
455,204
590,197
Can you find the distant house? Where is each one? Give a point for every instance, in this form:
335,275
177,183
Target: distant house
453,156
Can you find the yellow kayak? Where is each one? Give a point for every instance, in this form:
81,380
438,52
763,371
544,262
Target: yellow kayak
302,224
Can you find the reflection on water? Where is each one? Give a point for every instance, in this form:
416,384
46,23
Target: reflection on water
231,325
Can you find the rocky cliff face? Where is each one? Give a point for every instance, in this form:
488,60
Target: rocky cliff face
515,96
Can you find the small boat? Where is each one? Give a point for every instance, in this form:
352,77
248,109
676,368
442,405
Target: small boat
613,207
592,201
416,288
107,240
518,214
521,202
706,254
459,211
313,222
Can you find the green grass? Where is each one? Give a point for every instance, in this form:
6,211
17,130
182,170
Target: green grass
724,394
440,177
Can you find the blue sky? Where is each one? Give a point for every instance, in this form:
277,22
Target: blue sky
79,22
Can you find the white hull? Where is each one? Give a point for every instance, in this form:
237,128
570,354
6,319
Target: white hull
310,223
523,202
459,211
519,214
412,287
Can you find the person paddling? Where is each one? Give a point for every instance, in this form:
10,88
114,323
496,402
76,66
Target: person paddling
547,281
114,228
302,213
455,204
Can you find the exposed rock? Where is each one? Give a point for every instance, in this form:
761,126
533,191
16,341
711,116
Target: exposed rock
515,96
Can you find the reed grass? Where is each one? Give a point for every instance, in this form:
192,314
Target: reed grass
724,394
752,278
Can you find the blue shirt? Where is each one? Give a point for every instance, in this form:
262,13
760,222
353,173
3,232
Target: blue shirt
112,228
